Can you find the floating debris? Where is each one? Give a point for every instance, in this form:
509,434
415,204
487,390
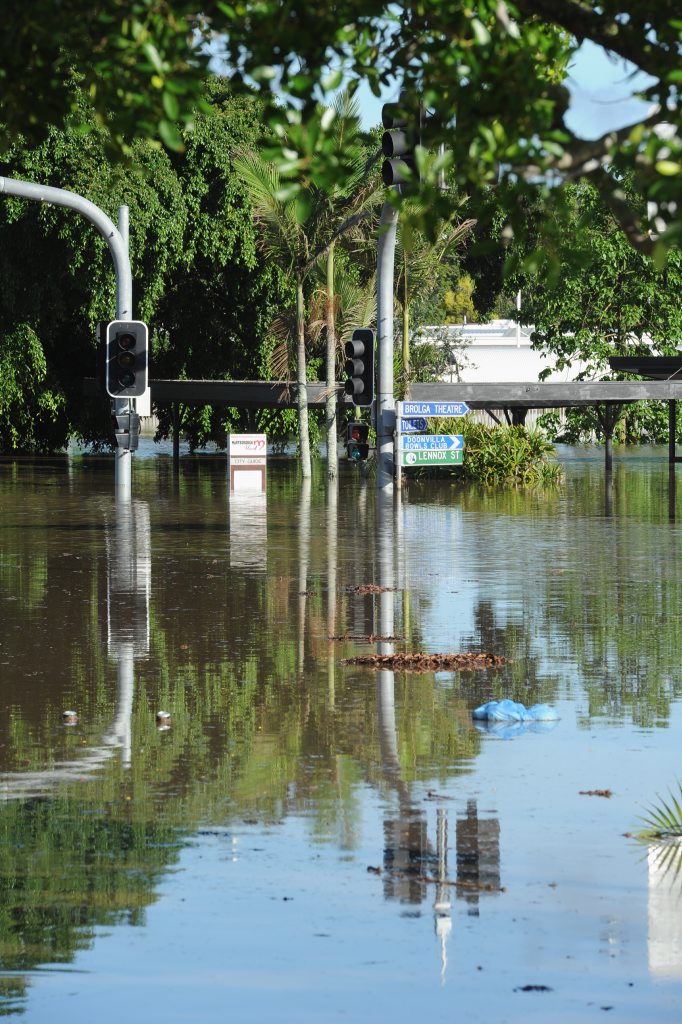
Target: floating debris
368,588
512,711
369,638
70,717
416,662
596,792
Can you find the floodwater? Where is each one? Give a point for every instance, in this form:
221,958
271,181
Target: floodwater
311,840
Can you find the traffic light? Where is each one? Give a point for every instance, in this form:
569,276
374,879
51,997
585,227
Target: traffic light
398,143
360,366
126,358
356,441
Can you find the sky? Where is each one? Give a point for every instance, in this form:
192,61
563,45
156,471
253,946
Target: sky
600,95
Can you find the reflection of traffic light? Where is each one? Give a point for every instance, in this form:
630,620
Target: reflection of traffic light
398,143
356,441
360,366
126,358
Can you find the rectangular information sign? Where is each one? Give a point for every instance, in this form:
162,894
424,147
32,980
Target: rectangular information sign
432,458
433,409
431,442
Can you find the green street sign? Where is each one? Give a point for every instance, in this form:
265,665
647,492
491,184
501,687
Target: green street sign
448,457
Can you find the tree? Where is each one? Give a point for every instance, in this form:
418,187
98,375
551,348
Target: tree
611,300
492,74
493,77
299,236
198,277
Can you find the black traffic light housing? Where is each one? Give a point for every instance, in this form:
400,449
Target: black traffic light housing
398,143
360,366
357,445
127,345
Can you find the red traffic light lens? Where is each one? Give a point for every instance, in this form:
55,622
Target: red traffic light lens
126,341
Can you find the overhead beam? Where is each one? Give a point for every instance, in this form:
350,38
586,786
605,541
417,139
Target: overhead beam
553,395
241,394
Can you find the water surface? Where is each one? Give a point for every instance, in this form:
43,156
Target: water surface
310,839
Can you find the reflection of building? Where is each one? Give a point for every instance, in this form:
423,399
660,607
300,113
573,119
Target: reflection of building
478,856
665,908
407,858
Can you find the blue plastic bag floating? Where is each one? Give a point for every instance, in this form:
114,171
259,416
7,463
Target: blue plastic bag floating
512,711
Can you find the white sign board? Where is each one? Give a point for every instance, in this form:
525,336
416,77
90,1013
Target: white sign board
246,459
247,446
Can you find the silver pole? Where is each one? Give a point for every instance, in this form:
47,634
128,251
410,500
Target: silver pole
385,408
123,471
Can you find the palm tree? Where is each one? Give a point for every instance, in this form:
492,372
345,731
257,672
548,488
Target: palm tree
418,262
299,246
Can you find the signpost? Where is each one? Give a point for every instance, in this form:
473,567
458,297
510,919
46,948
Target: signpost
414,449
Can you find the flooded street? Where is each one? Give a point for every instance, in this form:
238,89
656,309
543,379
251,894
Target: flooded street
307,839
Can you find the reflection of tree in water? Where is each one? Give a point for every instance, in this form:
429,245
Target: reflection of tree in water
65,869
524,678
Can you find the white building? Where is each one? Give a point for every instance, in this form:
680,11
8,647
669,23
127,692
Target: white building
495,352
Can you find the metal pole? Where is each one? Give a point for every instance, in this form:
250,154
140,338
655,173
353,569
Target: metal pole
385,407
123,471
118,248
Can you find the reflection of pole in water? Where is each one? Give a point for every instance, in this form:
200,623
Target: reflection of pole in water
442,908
478,856
128,597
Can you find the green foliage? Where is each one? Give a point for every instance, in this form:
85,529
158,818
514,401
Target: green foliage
508,455
608,299
492,75
31,411
663,819
199,279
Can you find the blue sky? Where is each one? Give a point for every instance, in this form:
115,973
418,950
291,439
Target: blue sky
601,95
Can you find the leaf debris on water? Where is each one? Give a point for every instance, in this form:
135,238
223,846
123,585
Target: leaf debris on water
416,662
368,588
596,792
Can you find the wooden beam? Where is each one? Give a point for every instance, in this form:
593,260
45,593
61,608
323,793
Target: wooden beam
546,395
242,394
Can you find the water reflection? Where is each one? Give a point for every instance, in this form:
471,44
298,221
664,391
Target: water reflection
128,549
664,862
221,614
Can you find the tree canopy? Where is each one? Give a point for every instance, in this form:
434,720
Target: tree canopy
492,74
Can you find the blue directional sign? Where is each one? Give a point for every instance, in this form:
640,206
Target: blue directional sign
414,424
431,442
433,409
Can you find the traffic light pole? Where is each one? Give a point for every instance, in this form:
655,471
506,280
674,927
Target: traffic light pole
124,282
385,403
123,470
